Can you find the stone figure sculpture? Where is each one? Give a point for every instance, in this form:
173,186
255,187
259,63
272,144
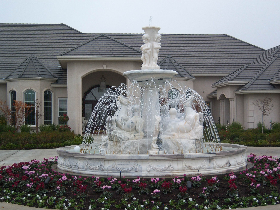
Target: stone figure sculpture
150,49
121,126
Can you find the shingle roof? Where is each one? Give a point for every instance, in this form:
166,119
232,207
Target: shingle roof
259,74
200,53
104,46
45,41
31,67
170,63
197,54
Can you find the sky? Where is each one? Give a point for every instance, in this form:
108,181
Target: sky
254,21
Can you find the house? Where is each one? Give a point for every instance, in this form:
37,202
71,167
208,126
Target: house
68,71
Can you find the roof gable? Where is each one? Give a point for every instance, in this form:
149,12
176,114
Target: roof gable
31,67
258,74
104,46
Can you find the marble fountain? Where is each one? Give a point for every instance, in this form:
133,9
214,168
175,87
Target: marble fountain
152,129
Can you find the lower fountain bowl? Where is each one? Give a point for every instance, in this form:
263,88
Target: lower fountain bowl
232,158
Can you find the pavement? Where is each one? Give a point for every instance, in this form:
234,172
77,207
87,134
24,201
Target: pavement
8,157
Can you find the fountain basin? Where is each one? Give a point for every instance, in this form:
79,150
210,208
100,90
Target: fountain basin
147,75
231,158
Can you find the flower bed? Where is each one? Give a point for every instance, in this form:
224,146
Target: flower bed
37,184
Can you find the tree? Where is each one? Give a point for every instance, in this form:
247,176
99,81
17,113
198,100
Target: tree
6,111
22,110
265,106
37,114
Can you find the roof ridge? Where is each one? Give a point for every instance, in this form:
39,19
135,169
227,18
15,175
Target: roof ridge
170,58
70,27
26,62
244,41
258,74
39,61
263,58
91,39
25,67
95,38
234,73
120,43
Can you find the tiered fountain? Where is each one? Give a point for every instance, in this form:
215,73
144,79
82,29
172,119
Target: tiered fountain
152,128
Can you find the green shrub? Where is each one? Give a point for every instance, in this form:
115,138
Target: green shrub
42,140
275,127
3,120
25,128
48,128
7,128
64,128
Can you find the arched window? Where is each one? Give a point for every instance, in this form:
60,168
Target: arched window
13,96
29,99
47,107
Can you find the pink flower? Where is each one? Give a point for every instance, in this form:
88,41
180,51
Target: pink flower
155,180
25,167
155,191
29,185
258,185
64,178
106,186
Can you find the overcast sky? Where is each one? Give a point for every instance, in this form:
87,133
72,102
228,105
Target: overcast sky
254,21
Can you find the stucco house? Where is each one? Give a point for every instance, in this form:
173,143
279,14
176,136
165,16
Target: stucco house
68,71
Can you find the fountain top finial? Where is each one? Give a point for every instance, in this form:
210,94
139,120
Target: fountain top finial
150,48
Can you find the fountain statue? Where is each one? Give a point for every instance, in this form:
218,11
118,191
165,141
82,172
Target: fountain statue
152,128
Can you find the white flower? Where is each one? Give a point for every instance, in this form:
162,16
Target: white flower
190,199
89,207
134,198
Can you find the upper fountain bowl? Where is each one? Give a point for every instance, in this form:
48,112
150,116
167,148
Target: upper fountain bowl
148,74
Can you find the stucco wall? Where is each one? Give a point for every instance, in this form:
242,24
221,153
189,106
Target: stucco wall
202,85
3,92
76,71
112,79
252,113
58,92
39,86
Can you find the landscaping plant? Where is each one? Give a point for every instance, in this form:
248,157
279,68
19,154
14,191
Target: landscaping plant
38,184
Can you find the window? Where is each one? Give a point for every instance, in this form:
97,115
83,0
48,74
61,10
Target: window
173,93
29,99
62,107
47,107
13,95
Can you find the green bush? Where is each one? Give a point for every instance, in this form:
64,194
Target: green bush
25,128
3,120
48,128
7,128
42,140
275,128
235,134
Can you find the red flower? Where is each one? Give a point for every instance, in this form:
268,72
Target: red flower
143,185
183,189
166,185
127,190
211,182
123,186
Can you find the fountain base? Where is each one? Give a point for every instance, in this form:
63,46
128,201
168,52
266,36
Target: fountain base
231,158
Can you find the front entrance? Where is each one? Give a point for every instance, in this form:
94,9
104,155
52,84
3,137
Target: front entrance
91,98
